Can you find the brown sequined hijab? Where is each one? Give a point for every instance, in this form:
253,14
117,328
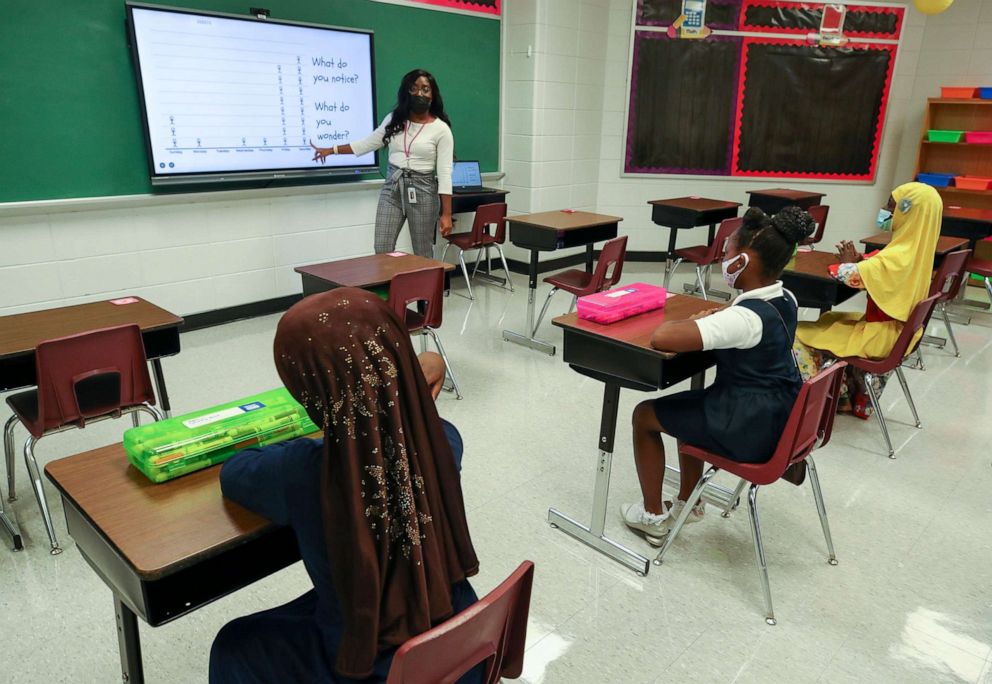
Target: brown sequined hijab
394,518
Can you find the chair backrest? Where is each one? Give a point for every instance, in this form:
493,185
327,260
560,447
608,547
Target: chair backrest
421,285
718,248
810,422
612,255
948,278
487,215
819,214
89,375
492,631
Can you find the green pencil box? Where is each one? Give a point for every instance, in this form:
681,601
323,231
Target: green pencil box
170,448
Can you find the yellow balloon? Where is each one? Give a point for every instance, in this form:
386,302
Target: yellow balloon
932,6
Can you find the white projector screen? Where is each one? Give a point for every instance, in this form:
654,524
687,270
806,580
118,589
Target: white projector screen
239,98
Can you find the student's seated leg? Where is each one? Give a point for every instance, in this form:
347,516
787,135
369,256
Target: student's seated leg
283,644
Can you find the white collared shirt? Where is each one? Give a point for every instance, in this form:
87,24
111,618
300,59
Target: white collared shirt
737,327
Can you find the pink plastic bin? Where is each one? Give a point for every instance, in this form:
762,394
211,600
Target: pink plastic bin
621,302
979,137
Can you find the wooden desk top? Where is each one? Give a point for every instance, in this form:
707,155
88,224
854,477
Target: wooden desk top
636,331
945,244
814,264
560,220
787,194
21,333
157,528
369,271
968,214
695,203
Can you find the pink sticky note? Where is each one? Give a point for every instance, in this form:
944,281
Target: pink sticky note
568,211
397,253
124,300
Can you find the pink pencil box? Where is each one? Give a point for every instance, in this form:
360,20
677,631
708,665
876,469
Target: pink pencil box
622,302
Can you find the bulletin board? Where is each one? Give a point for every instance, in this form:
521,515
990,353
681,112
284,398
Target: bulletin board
761,95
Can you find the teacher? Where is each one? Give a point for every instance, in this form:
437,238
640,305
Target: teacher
421,146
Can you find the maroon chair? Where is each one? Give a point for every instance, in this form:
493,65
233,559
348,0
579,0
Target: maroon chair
809,427
492,631
704,256
579,283
819,214
903,347
946,284
481,239
425,288
981,267
81,379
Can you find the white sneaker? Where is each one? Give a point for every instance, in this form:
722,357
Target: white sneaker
654,527
695,516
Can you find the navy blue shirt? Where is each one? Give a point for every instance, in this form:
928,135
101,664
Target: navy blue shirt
281,482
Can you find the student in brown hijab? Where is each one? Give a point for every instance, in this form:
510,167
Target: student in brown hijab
376,505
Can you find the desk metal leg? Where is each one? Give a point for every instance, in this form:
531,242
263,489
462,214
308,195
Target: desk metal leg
589,256
527,339
129,643
594,534
8,521
163,394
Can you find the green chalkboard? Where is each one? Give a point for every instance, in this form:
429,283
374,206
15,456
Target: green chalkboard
69,103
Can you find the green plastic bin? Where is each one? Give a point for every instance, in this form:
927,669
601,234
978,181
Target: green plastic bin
944,136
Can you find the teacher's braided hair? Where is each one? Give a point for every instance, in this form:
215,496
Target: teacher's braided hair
401,112
774,238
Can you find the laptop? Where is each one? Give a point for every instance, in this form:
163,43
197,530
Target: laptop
466,177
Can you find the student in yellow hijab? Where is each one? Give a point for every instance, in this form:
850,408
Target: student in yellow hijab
896,280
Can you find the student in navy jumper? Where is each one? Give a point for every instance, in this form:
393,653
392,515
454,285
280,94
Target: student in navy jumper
742,414
376,506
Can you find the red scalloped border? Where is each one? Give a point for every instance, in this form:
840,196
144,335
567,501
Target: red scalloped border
742,82
467,5
900,13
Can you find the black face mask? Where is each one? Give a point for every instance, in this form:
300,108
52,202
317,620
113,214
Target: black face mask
420,104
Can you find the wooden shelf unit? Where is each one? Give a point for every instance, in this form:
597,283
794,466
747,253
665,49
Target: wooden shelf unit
960,159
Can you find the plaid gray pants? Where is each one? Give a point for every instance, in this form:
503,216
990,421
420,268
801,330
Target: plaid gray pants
395,208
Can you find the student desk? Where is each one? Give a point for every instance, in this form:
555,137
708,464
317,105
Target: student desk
620,356
809,280
971,224
546,232
464,202
688,212
775,200
364,272
163,549
945,244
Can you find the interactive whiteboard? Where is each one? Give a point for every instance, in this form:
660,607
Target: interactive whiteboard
230,98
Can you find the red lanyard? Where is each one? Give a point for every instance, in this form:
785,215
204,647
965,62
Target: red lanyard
406,149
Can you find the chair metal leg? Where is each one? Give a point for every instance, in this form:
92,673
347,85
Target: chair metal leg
697,492
814,481
988,287
423,343
8,452
575,300
506,269
544,310
135,418
735,499
468,282
39,493
909,397
917,356
950,331
759,552
669,274
444,251
447,366
699,279
877,406
478,260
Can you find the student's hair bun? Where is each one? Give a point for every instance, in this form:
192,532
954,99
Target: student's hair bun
755,219
794,224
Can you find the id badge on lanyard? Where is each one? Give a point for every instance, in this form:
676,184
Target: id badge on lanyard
411,194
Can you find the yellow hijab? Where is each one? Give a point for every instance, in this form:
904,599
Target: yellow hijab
898,277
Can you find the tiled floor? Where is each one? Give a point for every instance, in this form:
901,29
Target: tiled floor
910,601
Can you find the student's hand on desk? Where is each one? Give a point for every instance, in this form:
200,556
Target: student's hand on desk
433,367
446,224
847,252
703,314
321,153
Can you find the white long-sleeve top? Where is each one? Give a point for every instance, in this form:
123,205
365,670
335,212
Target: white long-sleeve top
430,147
